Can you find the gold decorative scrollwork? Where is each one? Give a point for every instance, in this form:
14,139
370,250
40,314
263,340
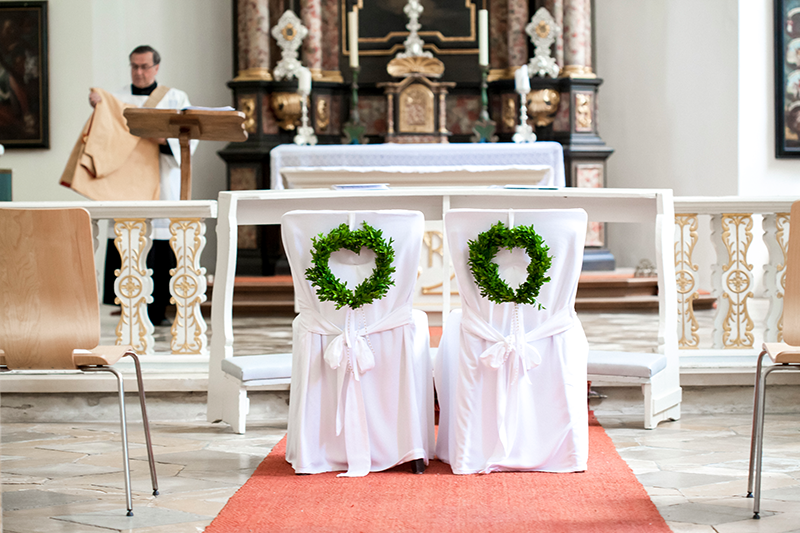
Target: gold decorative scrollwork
322,115
737,280
583,112
133,287
509,112
287,108
542,106
685,270
247,105
188,286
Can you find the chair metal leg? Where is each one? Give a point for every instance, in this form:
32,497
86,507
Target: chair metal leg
123,425
146,423
759,441
753,434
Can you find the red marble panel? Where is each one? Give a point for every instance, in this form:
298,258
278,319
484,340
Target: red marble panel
498,30
268,123
311,15
462,113
330,35
372,113
517,38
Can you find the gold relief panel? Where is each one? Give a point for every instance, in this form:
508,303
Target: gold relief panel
416,109
584,112
287,108
247,105
322,113
542,106
509,114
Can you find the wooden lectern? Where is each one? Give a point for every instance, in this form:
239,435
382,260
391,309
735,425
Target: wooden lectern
186,124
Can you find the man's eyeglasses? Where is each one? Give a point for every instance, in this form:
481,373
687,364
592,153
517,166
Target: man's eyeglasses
143,68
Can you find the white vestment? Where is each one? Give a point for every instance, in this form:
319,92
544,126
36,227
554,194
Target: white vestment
169,165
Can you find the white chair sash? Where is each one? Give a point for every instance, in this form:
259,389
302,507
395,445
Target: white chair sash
350,354
518,351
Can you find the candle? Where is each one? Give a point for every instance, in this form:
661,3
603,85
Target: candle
522,80
352,26
304,81
483,37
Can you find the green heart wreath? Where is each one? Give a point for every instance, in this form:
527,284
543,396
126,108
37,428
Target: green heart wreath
483,250
329,288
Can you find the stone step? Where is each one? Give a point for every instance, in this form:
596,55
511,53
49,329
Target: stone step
597,291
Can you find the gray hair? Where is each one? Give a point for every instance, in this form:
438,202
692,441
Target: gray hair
143,49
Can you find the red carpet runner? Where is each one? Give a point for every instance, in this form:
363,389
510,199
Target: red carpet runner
605,498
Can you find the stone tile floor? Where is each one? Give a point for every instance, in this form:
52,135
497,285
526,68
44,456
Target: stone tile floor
66,477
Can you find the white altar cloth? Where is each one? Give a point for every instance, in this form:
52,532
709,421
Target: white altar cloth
378,156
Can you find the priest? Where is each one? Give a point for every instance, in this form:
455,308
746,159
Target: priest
144,91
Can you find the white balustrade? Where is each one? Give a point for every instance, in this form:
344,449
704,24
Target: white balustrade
133,288
734,270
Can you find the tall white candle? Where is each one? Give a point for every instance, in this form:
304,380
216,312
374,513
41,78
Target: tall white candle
522,80
304,80
352,31
483,37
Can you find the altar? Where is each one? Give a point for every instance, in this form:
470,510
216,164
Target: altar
535,164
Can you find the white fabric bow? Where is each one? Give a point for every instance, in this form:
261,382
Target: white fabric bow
516,350
351,355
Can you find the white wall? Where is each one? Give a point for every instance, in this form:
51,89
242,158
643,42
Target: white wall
760,172
89,43
668,104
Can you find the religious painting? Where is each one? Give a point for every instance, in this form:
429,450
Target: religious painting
787,78
23,75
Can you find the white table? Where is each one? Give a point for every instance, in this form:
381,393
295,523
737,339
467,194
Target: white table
507,162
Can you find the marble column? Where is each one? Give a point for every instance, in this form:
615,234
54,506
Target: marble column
252,26
577,38
332,38
556,8
517,39
311,15
498,29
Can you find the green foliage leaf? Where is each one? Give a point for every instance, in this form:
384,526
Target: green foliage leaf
483,250
329,287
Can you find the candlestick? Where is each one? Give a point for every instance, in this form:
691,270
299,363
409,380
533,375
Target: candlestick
352,27
305,133
353,129
304,81
522,81
483,37
524,132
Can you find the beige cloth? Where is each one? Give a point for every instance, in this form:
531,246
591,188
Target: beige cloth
107,162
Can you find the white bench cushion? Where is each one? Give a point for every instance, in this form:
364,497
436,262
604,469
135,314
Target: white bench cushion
257,367
630,364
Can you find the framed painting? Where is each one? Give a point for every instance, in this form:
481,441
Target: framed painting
23,75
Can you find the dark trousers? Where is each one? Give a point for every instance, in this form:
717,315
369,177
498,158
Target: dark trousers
160,259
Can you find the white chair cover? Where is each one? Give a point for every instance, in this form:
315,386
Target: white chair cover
511,379
362,383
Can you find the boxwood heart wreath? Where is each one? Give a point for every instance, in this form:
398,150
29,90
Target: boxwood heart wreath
483,250
329,287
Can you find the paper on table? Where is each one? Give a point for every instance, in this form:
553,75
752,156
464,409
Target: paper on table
369,186
200,108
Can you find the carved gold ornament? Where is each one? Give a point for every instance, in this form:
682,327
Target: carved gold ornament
543,29
416,109
685,279
542,106
247,105
288,32
737,280
509,112
133,287
187,286
287,108
322,115
255,73
401,67
583,112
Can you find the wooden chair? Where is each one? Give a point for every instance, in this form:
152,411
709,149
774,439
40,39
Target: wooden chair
784,356
49,310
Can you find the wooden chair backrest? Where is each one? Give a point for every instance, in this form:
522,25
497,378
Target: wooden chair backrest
48,287
791,295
